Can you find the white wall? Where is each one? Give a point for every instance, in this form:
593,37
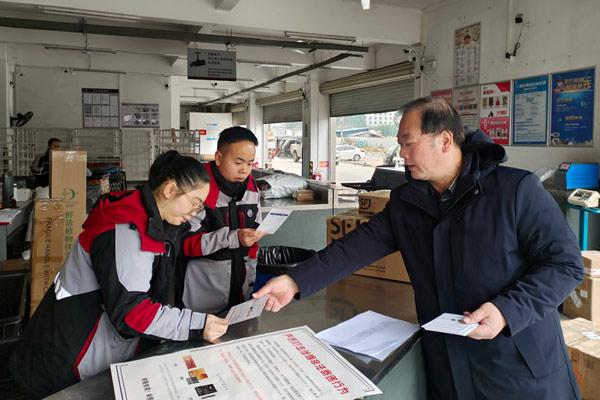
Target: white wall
559,35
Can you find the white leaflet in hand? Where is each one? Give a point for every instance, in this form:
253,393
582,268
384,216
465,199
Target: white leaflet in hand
274,220
450,323
247,310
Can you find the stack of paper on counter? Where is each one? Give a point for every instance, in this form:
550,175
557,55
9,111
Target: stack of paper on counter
370,333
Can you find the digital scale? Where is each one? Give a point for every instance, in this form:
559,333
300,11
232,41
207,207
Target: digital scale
584,198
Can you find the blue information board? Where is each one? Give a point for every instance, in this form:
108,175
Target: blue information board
572,108
530,110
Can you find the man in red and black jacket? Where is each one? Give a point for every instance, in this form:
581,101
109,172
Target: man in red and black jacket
219,267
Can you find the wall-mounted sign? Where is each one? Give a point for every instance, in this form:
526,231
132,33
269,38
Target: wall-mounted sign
211,64
467,43
100,108
466,103
495,111
530,110
572,108
140,115
445,94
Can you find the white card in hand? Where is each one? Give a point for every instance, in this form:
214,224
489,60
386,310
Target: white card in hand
274,220
450,323
247,310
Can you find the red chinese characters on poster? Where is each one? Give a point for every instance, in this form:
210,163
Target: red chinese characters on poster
495,111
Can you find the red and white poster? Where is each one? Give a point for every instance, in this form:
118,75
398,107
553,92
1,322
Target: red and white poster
445,94
495,111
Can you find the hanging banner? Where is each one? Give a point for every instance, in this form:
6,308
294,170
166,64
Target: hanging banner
211,64
572,108
495,111
287,365
466,102
445,94
530,110
467,43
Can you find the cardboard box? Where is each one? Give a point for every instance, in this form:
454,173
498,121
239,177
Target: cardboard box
304,195
584,301
591,262
582,338
47,246
15,264
68,181
373,202
390,267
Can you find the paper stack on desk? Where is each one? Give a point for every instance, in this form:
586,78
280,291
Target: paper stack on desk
370,333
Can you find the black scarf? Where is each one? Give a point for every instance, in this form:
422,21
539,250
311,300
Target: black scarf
235,190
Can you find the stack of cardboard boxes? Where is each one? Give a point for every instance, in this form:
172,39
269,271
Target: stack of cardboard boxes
57,221
584,301
582,338
370,203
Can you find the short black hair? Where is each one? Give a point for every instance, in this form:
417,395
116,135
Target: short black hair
186,171
437,115
235,134
52,140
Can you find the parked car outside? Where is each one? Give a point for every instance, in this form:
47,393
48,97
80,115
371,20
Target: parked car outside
348,152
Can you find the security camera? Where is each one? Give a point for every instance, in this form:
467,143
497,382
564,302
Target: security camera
166,85
213,84
66,71
408,50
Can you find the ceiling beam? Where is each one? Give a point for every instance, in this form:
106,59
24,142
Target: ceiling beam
171,35
225,5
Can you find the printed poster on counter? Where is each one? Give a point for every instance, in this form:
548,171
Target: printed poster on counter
530,110
466,103
285,365
445,94
572,121
495,111
467,44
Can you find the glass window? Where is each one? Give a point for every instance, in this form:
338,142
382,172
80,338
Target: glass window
363,143
284,146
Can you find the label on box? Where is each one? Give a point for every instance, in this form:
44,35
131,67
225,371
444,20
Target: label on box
592,335
576,299
583,294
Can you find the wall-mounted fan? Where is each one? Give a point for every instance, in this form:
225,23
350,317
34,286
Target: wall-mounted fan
21,119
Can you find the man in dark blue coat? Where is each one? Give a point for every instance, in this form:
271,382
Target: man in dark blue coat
477,238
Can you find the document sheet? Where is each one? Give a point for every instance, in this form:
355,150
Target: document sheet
286,365
247,310
274,220
370,333
450,323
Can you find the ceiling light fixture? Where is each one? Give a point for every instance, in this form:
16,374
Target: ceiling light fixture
302,36
75,12
78,48
366,4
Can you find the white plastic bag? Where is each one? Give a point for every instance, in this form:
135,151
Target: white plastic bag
280,185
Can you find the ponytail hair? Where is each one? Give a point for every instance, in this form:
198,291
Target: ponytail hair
186,171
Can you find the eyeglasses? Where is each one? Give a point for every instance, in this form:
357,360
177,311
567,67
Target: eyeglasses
196,205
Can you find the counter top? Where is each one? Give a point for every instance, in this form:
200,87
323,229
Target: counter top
330,306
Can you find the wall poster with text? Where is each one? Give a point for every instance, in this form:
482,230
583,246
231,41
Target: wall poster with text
445,94
467,45
530,110
572,120
495,111
466,102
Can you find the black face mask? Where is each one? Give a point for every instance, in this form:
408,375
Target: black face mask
234,190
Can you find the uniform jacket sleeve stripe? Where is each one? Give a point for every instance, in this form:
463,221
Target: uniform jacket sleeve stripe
141,316
84,349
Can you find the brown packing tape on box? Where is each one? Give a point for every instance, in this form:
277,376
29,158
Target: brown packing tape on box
584,300
47,246
582,338
68,181
390,267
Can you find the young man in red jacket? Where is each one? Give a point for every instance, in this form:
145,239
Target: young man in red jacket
219,264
